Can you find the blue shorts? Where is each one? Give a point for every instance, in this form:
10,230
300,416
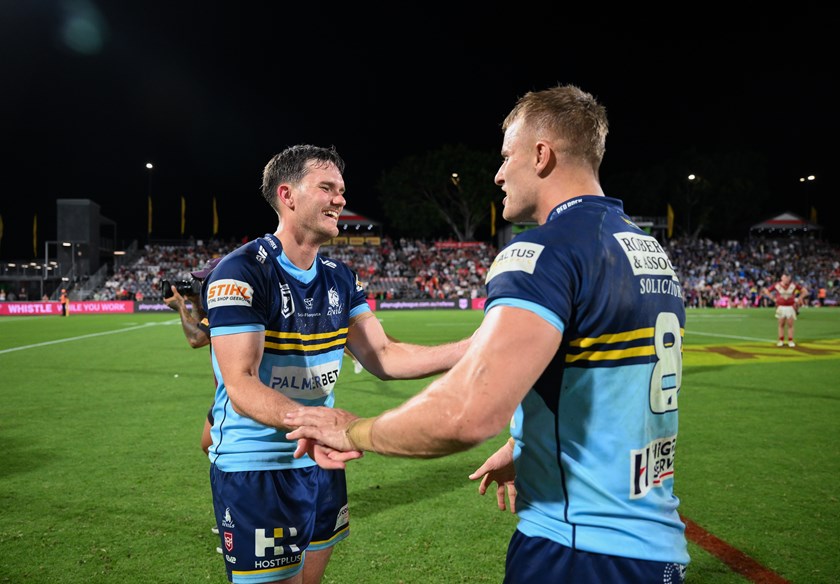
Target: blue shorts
537,559
268,519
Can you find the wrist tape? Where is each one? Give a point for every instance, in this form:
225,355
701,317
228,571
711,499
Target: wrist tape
359,434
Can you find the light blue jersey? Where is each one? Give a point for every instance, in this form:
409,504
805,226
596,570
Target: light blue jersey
596,436
304,315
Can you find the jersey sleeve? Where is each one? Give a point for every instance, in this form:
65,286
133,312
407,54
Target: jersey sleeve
238,293
529,275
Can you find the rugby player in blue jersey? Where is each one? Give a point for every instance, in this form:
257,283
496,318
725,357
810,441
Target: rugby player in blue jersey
280,317
579,354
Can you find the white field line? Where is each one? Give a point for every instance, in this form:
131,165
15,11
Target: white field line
92,335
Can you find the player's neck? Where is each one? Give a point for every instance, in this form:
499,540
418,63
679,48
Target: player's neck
300,248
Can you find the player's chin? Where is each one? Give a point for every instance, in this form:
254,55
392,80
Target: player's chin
330,229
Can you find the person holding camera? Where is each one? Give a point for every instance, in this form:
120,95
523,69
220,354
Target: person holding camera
185,299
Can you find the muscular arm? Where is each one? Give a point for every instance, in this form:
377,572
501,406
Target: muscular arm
388,358
471,403
239,357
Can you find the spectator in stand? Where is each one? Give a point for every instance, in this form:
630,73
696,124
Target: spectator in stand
788,296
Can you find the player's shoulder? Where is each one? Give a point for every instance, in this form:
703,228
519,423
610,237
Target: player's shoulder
250,257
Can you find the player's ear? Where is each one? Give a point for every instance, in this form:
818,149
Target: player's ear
285,196
543,158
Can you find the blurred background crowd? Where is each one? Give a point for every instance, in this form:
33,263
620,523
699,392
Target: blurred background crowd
712,274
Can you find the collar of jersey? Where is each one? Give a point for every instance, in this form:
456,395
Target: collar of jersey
305,276
571,203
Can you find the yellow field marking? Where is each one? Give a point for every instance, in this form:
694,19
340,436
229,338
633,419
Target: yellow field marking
759,352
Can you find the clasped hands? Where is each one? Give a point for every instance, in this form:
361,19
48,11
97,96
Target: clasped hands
321,433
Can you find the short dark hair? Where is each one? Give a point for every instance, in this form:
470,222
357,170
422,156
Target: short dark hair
290,166
567,113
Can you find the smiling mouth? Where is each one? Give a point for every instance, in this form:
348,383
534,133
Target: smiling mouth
332,214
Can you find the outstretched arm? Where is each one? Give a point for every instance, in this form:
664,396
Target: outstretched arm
471,403
388,358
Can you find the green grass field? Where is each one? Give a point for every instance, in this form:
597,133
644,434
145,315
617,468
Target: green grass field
102,478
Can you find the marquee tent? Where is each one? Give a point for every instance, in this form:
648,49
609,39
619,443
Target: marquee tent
352,223
785,224
352,218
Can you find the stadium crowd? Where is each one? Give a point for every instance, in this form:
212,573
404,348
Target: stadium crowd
726,274
733,273
395,269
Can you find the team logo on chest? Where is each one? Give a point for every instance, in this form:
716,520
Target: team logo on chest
335,302
288,303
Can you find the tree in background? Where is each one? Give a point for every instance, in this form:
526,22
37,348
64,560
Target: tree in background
447,192
441,193
729,192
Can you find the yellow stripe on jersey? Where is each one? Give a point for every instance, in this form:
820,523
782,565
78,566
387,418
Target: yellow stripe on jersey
605,353
297,335
611,355
642,333
332,339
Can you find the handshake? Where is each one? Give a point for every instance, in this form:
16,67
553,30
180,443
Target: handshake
330,436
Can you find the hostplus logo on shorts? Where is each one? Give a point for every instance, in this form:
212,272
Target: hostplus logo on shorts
266,545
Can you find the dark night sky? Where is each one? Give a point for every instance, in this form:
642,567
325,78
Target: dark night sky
208,92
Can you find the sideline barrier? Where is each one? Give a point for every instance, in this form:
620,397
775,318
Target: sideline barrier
76,307
51,308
